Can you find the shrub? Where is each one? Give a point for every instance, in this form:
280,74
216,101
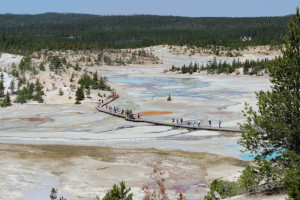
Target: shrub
169,98
250,179
223,188
60,92
118,193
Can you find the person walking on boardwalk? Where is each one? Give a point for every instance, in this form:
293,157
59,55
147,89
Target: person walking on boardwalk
199,123
220,122
193,123
181,120
173,120
189,122
209,122
106,106
177,120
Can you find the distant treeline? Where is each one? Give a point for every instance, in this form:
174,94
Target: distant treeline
78,31
250,67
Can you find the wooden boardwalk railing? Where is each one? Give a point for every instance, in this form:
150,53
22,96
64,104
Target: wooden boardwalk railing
160,123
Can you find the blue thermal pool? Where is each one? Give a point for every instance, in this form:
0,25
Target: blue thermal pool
152,87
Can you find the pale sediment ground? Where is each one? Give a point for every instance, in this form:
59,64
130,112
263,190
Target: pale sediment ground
82,168
172,57
29,172
7,60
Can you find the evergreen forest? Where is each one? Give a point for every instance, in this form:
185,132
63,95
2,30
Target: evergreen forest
54,31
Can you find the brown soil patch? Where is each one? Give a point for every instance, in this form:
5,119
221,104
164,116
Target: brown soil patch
33,119
157,113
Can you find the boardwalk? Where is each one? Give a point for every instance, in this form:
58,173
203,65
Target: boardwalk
155,122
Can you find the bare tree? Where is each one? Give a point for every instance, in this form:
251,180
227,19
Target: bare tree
155,189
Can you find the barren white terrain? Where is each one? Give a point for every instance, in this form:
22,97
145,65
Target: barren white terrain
83,152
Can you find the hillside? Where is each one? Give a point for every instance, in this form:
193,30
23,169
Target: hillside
83,31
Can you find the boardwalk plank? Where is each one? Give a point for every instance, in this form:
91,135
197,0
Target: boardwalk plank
159,123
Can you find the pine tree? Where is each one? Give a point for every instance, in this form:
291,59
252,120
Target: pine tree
21,98
53,194
118,193
195,67
42,67
38,85
275,127
88,92
169,98
12,86
7,99
80,93
2,86
95,80
1,89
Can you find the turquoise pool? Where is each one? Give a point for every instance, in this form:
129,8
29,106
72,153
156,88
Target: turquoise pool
152,87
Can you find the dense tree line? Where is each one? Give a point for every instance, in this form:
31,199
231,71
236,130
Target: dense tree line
250,67
53,23
75,31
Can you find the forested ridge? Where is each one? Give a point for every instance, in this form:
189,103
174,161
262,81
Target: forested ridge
83,31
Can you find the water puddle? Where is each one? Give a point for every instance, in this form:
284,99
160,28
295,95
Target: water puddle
249,156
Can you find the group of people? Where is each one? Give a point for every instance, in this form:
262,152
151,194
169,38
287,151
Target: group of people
128,113
177,121
112,95
180,121
220,122
192,122
100,101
